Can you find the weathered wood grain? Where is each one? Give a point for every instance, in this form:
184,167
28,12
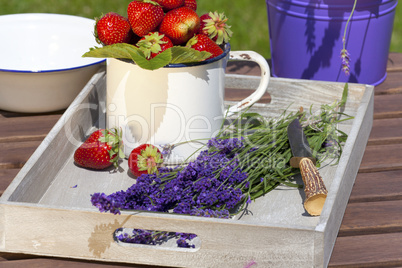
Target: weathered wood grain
372,218
377,186
386,131
236,94
388,106
15,154
24,127
245,68
6,177
392,85
394,62
378,250
381,158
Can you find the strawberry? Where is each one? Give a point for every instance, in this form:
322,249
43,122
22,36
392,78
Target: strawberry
145,159
144,16
191,4
214,25
202,42
153,44
180,25
100,150
112,28
170,4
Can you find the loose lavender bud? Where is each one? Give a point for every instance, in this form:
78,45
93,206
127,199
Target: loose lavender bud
167,149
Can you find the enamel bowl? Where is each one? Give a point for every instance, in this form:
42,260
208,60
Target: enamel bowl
41,63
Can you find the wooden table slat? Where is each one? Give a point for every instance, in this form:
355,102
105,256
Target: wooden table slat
394,62
386,131
377,186
15,154
25,125
378,250
392,85
372,218
381,158
388,106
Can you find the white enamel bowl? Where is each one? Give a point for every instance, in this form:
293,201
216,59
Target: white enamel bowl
41,63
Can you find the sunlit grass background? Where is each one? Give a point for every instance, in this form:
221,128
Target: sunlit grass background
248,18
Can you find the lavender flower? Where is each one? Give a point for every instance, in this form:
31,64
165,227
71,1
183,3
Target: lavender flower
167,149
345,56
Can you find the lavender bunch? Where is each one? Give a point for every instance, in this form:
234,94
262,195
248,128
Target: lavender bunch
211,182
206,187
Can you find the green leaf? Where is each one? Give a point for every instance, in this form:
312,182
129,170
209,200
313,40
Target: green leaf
344,95
175,54
127,51
118,51
157,62
188,55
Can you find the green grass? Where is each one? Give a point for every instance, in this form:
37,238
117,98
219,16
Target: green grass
249,21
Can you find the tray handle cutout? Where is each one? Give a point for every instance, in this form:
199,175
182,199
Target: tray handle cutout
167,240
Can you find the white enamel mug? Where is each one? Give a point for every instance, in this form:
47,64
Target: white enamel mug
180,105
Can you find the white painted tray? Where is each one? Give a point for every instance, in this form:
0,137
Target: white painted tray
43,213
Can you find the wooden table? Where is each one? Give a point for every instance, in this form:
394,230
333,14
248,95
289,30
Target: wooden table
371,230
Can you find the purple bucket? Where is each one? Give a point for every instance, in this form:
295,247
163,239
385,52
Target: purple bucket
306,39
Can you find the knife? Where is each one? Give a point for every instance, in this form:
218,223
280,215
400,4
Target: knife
303,159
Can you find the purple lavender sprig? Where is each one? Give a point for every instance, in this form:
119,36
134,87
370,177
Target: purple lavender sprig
345,56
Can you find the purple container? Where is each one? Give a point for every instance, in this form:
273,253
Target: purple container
306,39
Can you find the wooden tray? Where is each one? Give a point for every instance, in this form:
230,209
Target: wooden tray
46,210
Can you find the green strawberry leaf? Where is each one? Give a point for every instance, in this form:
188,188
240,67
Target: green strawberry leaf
118,51
187,55
157,62
176,54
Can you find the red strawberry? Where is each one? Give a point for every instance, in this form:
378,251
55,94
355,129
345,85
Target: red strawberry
102,149
180,25
170,4
202,42
214,25
112,28
145,159
144,16
191,4
153,44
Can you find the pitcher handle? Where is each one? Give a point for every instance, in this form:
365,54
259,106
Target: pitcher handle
262,87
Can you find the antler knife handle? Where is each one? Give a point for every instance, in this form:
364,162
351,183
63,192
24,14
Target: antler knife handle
314,187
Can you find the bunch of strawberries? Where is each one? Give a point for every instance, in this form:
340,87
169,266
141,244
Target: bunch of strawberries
156,25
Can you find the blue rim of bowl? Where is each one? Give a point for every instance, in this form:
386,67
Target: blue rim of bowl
179,65
54,70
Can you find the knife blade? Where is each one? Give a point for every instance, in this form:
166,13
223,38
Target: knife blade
303,159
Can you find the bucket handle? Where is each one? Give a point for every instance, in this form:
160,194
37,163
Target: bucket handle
262,87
